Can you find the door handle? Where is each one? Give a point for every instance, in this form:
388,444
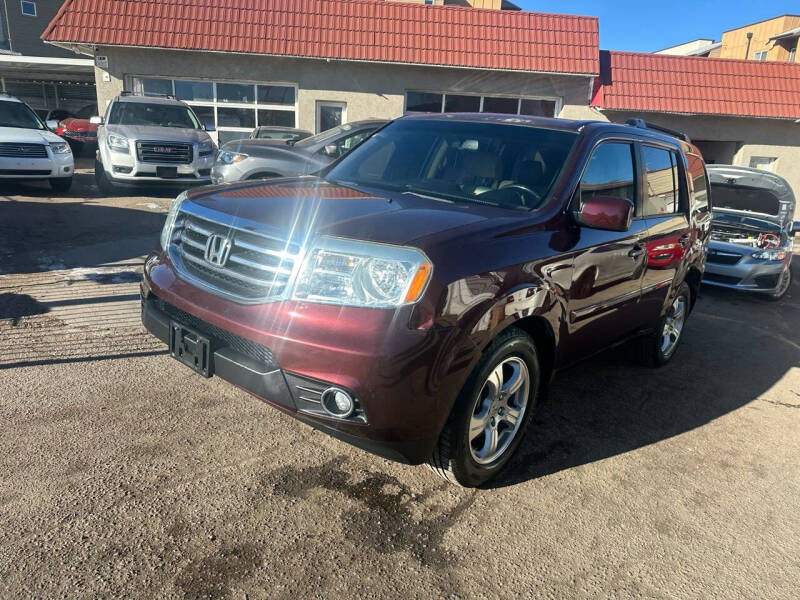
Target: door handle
636,251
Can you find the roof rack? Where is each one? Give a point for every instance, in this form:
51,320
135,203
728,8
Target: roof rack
642,124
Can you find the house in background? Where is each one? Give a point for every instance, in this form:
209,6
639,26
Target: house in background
770,40
700,47
44,76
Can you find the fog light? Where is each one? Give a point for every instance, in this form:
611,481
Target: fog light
338,403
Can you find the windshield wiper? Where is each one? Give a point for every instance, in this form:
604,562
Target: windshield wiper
437,198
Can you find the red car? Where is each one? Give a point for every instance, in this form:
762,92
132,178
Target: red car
77,129
415,298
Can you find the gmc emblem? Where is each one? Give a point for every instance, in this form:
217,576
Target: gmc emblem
163,149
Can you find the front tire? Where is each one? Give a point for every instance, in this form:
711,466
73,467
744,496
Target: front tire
492,412
61,185
783,286
101,179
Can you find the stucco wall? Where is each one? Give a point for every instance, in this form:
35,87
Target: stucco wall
370,90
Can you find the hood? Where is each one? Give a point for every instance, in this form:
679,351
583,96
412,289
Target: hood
308,206
159,134
266,149
27,136
750,195
74,124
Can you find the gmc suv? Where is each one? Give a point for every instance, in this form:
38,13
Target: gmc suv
146,140
415,298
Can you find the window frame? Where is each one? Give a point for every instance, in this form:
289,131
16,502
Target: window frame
760,55
136,83
636,159
23,3
680,187
558,100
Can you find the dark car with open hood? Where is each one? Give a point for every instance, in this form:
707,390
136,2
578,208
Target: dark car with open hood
416,296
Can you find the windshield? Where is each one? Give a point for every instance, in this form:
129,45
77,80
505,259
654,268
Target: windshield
17,114
328,134
512,166
751,199
153,115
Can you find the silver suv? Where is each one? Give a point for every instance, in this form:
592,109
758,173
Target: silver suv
145,140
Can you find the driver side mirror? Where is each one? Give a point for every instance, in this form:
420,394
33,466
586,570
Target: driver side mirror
795,228
96,120
331,150
605,212
209,127
52,124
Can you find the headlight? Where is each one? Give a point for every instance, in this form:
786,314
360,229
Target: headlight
206,147
166,232
354,273
770,255
118,143
230,158
60,147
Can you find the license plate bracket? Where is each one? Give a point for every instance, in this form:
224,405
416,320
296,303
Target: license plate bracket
191,348
167,172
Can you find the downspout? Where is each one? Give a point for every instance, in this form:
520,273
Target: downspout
749,39
8,27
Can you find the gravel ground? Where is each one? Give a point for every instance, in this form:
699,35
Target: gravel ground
125,475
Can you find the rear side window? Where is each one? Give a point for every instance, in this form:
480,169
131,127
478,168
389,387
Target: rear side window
699,179
610,172
663,197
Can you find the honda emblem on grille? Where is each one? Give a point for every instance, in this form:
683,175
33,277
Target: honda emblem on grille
218,248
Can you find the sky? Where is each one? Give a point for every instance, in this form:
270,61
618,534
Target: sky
648,25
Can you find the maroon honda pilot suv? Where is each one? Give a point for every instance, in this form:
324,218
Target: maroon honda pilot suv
415,297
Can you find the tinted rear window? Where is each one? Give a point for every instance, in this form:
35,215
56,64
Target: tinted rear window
737,197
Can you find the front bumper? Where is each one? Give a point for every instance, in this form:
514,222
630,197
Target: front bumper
279,351
748,274
222,173
56,165
126,169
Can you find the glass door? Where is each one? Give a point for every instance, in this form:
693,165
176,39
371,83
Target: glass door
330,115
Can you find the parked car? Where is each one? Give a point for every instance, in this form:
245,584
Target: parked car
78,128
28,150
147,140
752,232
416,297
286,135
262,159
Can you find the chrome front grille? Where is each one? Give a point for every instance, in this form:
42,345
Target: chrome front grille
9,150
258,267
164,152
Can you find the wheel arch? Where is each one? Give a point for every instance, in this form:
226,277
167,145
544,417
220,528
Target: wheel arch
693,278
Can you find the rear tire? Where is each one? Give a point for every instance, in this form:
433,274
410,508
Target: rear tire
479,438
658,348
61,185
101,179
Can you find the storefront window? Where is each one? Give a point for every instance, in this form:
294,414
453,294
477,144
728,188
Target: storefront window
234,108
436,102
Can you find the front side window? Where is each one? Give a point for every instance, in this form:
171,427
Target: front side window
510,166
662,197
18,115
152,115
348,142
610,172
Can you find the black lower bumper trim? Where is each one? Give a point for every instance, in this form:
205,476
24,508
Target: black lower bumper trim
267,381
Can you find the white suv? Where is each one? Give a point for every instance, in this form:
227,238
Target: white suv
28,150
145,140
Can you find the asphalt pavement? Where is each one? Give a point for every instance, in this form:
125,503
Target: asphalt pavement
124,475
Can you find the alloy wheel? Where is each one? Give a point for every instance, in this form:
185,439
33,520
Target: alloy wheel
673,326
499,410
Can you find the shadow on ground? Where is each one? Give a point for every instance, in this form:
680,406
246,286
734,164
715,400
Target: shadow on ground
736,348
42,236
